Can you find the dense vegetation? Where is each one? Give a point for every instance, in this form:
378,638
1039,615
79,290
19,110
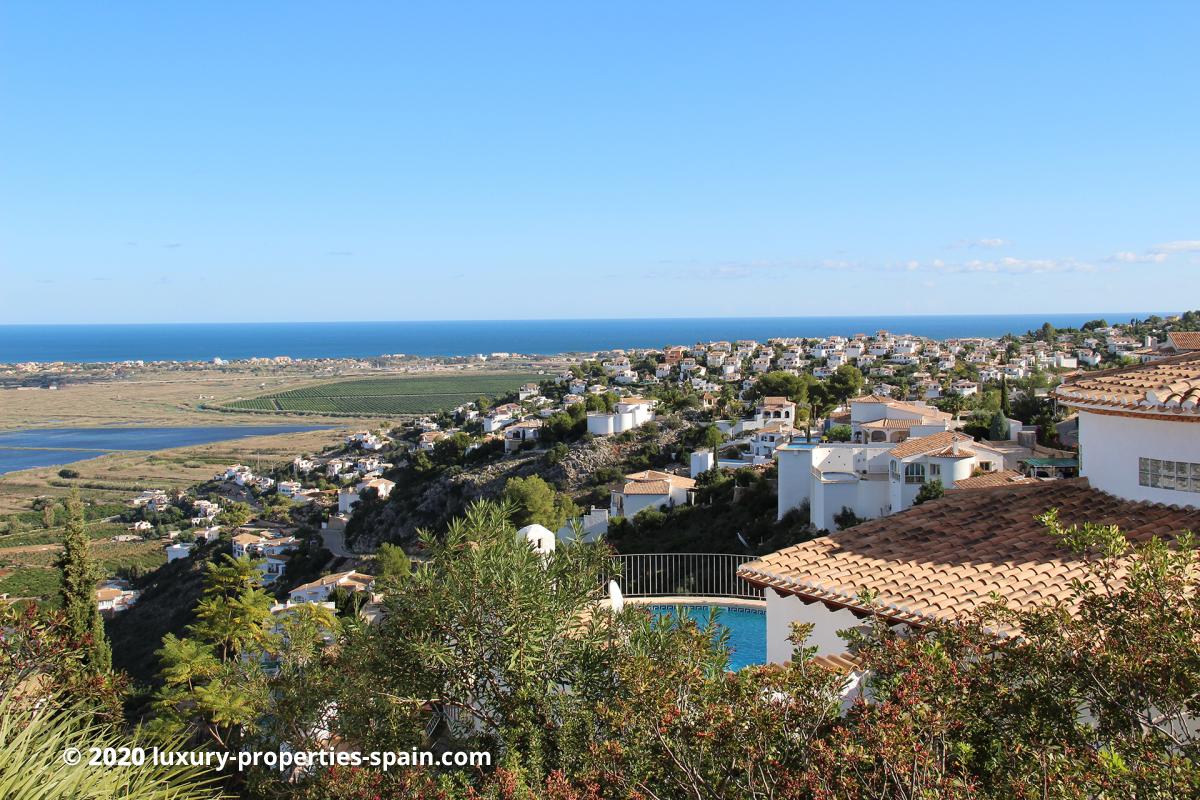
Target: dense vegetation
492,647
385,396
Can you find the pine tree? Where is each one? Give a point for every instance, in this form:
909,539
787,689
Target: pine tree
79,578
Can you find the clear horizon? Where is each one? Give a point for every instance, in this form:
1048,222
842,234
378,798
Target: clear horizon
1110,316
282,162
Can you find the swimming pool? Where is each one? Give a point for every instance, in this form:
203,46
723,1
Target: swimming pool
747,629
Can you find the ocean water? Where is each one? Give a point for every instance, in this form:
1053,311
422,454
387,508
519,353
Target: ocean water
199,342
44,447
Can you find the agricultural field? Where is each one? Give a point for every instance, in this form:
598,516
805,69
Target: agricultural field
30,571
384,396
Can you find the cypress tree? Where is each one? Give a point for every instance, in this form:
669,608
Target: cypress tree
78,593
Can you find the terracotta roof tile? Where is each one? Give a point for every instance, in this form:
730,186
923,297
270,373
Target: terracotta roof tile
1004,477
890,424
1184,340
945,557
646,487
933,443
1168,386
843,663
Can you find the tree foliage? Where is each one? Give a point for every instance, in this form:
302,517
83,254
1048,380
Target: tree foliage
930,490
78,593
536,502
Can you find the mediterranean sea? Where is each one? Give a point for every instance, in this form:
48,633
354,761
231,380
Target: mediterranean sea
205,341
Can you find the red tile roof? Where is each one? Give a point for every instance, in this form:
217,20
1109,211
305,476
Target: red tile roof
1184,340
1166,387
935,442
988,480
947,556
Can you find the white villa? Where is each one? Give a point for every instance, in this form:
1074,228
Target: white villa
776,411
1140,466
348,497
877,479
113,597
629,413
874,418
525,431
649,489
1138,436
319,590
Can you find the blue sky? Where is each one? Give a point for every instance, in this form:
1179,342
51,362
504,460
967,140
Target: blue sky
327,161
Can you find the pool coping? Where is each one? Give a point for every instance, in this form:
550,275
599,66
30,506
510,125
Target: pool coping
692,600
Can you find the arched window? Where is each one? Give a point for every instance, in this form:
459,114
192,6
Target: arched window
914,473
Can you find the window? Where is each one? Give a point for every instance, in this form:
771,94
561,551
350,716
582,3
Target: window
1181,476
914,473
935,470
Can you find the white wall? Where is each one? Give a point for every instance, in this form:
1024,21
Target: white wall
1110,446
601,424
783,611
795,478
830,497
637,502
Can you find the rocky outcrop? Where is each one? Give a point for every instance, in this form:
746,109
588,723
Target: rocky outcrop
431,504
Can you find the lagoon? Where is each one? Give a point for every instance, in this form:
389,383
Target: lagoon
44,447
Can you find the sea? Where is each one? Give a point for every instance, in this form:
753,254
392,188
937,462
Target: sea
206,341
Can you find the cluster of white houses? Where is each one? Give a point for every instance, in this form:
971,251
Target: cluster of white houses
1139,440
895,448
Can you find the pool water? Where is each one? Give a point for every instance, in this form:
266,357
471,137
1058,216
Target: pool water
747,630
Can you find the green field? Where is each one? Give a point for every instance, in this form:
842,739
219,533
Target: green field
385,396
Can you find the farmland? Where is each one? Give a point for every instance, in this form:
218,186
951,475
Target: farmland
383,396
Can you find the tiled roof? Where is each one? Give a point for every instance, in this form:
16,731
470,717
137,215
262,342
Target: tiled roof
842,663
1168,386
646,487
653,482
947,556
1184,340
1004,477
932,443
950,452
890,424
927,411
351,579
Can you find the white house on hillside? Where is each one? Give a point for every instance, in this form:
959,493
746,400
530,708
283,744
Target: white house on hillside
776,410
319,590
629,413
874,418
649,489
1139,436
878,479
1140,462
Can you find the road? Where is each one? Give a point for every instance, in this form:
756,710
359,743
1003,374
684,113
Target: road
335,542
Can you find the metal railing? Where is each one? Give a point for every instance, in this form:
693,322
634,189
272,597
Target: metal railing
662,574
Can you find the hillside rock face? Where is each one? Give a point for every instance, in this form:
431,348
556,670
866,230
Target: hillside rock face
431,504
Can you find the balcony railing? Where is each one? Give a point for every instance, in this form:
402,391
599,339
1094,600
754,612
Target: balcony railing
701,574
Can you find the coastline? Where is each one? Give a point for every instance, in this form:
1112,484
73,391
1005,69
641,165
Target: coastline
104,343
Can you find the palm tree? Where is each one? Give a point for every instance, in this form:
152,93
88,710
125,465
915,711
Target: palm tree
38,746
